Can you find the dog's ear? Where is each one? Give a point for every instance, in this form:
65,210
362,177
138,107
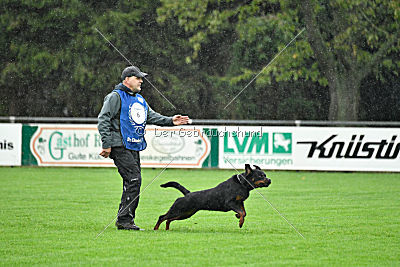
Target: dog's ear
248,169
257,168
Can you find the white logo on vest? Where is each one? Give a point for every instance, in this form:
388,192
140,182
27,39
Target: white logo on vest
137,113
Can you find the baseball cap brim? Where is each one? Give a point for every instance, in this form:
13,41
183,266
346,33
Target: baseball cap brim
133,71
141,74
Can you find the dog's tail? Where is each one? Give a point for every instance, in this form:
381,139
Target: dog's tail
177,186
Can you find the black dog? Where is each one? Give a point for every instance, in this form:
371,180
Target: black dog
226,196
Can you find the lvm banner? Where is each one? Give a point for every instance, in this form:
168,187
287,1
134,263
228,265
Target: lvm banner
310,148
80,145
10,144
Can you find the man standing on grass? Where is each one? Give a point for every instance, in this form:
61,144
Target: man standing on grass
121,124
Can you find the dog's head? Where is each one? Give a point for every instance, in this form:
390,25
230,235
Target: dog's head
256,176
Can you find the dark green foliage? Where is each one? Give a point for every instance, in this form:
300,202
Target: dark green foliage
199,54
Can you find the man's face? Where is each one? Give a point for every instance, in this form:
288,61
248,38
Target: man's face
134,83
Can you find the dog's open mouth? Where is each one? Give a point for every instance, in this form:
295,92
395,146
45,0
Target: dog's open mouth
263,183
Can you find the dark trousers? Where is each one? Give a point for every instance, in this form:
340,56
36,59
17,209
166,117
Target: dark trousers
128,164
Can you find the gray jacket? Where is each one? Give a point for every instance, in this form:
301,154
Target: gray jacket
109,123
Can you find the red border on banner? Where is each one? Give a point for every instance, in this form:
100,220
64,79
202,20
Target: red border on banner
97,163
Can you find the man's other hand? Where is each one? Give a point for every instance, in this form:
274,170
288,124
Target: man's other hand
105,152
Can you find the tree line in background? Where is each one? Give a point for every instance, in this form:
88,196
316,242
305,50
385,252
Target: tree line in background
200,54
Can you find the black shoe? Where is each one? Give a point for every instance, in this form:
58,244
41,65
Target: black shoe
127,226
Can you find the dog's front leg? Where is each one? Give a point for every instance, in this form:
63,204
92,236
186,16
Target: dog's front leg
240,214
241,218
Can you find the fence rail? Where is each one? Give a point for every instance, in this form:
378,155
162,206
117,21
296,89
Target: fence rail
16,119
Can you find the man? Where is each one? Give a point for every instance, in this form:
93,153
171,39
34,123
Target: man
121,124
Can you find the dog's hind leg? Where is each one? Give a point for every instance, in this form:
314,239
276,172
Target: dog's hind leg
180,210
160,220
182,216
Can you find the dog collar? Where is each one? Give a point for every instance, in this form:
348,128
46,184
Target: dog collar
240,180
243,181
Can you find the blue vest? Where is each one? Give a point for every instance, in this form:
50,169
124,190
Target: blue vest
133,120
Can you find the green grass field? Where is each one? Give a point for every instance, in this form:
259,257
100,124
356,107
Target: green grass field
51,216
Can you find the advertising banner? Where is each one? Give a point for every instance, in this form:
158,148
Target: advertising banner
310,148
67,145
10,144
80,145
181,147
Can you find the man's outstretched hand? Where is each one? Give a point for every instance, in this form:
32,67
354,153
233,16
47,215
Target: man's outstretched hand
180,120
